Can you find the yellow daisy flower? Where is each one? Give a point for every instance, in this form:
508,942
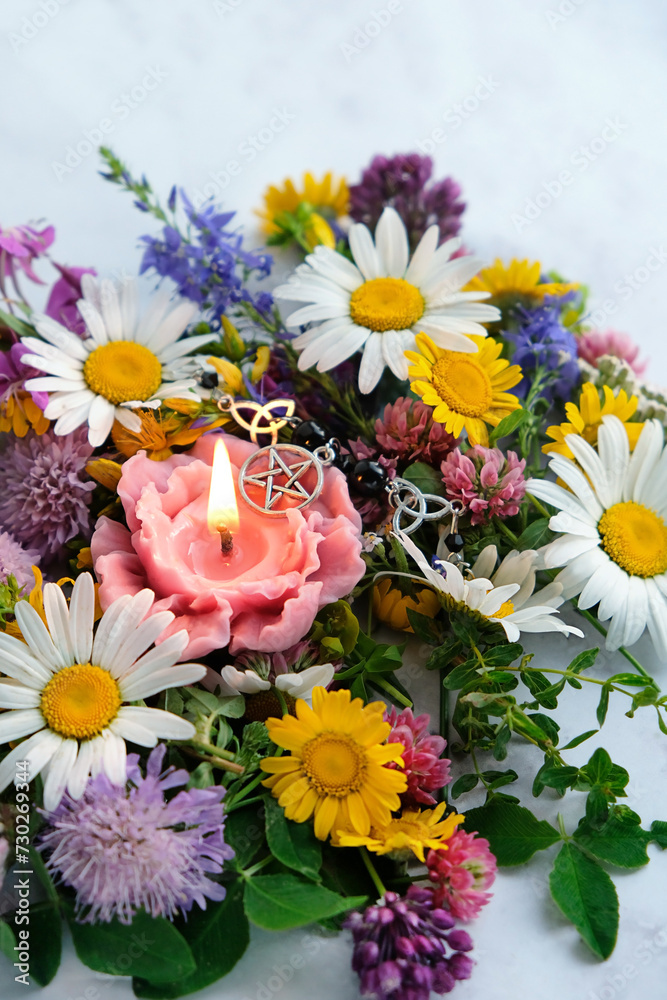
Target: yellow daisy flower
19,413
158,435
335,770
328,197
466,390
390,605
414,830
586,418
518,279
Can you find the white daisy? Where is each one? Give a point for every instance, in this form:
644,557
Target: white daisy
298,685
383,300
495,600
613,520
66,690
123,363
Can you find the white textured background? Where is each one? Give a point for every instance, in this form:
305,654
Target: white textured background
552,74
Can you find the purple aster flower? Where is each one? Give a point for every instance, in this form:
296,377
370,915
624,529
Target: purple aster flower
122,849
211,266
404,947
13,375
401,182
64,296
541,341
44,499
16,560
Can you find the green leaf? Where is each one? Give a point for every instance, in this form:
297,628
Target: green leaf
425,628
43,874
443,655
536,534
585,894
278,902
558,777
631,680
580,739
583,661
218,936
7,941
496,779
603,705
503,654
464,630
149,947
618,843
244,831
508,424
541,688
597,807
17,325
464,674
500,746
659,833
513,832
293,844
464,784
232,707
598,767
547,724
425,478
46,934
524,726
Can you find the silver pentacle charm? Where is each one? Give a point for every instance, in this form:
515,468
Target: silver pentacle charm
279,478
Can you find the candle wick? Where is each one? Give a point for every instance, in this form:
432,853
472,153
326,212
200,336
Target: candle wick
226,540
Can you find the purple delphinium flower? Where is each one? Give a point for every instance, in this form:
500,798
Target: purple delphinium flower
404,947
13,375
211,267
401,181
44,500
541,340
64,295
16,560
122,849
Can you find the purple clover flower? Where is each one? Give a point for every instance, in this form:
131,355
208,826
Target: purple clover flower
45,500
541,341
211,268
122,849
401,181
404,948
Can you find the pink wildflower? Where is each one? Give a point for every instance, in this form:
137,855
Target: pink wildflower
596,343
408,431
20,245
488,483
463,872
425,768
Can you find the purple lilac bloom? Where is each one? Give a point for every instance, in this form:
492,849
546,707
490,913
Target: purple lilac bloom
13,374
16,560
65,294
212,267
401,182
541,340
122,849
404,947
44,501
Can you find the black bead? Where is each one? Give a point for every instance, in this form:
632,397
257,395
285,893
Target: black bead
209,380
310,435
368,478
454,542
345,463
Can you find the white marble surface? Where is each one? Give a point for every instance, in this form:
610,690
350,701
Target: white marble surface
555,72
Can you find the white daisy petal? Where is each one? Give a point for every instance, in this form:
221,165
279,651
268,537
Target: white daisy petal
135,688
51,383
301,684
72,418
644,458
94,322
36,634
57,619
422,257
452,276
133,731
122,659
110,307
128,419
320,311
129,305
20,722
53,366
114,759
485,562
17,662
443,336
328,262
59,336
391,241
313,351
163,724
80,770
185,346
37,751
164,655
338,351
394,345
244,681
124,615
173,326
81,616
64,402
372,363
657,619
637,611
100,420
363,250
14,694
58,772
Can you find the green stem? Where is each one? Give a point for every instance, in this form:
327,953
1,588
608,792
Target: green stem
370,868
507,531
249,872
250,787
391,691
538,506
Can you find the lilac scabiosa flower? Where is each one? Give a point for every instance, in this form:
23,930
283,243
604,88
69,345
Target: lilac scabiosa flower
488,483
597,343
408,431
425,768
16,560
404,947
122,849
462,873
212,268
541,340
401,182
46,493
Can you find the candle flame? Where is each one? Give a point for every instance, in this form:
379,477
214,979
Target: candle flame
222,507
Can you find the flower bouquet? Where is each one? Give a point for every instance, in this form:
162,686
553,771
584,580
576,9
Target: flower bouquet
245,528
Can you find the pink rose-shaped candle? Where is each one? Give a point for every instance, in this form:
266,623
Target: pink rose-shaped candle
266,594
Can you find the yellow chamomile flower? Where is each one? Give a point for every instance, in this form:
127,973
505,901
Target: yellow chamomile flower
466,391
586,418
390,604
518,279
329,198
414,830
335,768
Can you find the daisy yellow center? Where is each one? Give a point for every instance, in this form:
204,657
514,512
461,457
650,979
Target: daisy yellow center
80,701
635,538
386,304
334,764
462,384
122,371
505,609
